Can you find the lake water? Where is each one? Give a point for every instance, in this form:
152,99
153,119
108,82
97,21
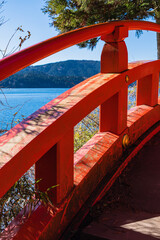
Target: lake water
23,102
19,103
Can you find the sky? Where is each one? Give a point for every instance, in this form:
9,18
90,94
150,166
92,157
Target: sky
29,15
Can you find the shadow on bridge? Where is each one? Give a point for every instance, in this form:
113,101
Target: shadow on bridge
136,213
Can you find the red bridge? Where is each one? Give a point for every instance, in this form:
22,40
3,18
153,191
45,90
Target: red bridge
46,138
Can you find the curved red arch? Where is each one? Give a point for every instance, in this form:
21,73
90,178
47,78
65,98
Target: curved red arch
28,56
42,129
51,127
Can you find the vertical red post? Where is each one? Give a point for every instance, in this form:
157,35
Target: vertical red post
147,90
113,113
114,59
56,168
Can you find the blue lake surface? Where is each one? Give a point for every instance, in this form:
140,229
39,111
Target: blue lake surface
23,101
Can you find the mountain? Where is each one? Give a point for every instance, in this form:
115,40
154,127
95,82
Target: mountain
64,74
79,68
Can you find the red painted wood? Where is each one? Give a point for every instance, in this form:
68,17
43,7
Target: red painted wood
119,34
23,228
65,151
147,89
56,168
125,163
99,161
93,165
46,171
28,141
46,137
113,113
114,57
26,57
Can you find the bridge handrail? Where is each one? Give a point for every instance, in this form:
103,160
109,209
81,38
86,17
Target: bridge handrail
28,56
34,136
46,138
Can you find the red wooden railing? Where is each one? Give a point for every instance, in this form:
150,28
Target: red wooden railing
46,137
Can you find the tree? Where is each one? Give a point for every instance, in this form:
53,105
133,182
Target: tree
156,15
67,15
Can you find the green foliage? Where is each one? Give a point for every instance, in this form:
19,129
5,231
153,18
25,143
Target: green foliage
23,193
16,198
132,96
67,15
86,129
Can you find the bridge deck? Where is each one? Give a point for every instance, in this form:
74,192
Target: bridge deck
46,139
131,210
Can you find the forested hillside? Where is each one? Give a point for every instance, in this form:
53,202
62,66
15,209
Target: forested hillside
64,74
